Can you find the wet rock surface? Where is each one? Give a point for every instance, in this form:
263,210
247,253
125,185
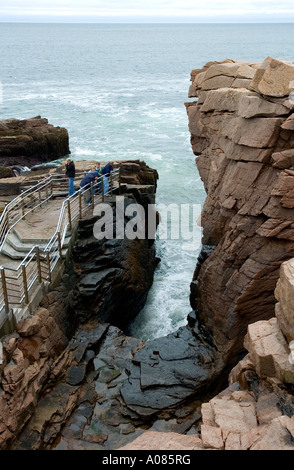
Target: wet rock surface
168,370
113,276
256,410
84,406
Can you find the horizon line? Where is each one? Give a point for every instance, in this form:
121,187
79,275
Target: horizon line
145,22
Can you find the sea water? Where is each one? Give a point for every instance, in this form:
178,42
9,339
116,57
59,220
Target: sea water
120,89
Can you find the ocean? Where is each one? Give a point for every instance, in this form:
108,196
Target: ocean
120,89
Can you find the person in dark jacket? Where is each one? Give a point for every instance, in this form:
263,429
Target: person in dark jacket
105,173
70,172
107,169
88,179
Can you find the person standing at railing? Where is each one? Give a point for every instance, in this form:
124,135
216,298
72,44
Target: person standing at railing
70,172
106,173
99,168
89,178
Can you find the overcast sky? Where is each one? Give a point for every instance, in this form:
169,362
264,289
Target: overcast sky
148,10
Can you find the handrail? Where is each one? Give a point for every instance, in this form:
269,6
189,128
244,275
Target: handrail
29,192
39,264
81,191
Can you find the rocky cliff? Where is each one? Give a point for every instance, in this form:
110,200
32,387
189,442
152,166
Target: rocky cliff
32,141
256,410
50,365
242,133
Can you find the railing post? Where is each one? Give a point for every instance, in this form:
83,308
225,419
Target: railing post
102,188
69,214
111,183
92,196
23,209
4,287
32,202
39,264
80,205
59,245
48,265
25,284
7,217
119,183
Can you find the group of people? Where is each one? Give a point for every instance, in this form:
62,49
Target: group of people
90,177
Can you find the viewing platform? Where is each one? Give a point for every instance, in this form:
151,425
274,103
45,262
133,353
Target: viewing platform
37,233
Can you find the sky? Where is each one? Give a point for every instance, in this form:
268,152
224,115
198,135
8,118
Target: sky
147,11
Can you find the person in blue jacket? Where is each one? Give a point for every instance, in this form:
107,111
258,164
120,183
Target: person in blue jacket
105,173
89,178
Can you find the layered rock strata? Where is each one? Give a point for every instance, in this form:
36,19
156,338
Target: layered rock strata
113,276
242,134
32,141
27,359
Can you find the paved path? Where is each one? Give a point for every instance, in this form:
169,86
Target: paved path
39,225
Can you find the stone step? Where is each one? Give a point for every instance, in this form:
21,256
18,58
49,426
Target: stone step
9,251
14,240
12,253
35,240
17,244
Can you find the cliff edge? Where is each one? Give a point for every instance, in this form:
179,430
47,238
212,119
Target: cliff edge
242,132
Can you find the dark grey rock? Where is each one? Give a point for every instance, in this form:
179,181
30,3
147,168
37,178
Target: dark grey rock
179,373
76,374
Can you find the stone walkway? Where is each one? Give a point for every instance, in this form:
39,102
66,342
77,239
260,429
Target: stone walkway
36,229
41,224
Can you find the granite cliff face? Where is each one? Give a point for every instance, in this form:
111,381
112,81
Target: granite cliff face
32,141
242,132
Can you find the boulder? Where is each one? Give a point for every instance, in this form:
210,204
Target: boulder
269,351
152,440
274,78
288,125
284,293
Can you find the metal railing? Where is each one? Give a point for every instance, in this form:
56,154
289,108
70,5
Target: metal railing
17,284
